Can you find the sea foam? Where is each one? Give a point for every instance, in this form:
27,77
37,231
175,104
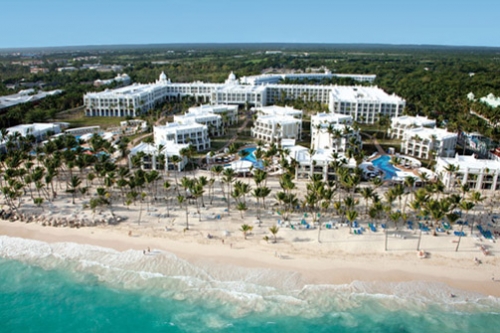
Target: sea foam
238,290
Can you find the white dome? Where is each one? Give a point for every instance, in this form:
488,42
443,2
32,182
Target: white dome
163,77
232,77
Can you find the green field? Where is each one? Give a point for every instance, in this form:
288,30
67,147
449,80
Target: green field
104,122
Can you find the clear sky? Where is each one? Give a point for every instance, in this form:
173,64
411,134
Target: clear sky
33,23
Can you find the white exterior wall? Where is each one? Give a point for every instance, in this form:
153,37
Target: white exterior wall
230,111
322,139
193,134
478,174
367,102
399,125
444,143
273,129
212,121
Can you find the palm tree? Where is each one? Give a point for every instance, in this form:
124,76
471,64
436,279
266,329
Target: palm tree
181,199
241,206
394,216
476,198
367,193
467,206
274,231
451,169
228,178
218,169
73,185
351,215
245,228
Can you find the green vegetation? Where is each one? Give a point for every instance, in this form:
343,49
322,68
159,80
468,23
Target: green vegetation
104,122
434,81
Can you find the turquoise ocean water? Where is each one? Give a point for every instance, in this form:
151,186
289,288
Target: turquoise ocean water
78,288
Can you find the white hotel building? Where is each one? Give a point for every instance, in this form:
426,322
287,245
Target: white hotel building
188,133
478,174
274,123
426,143
362,103
212,121
276,78
151,153
399,125
332,131
228,113
365,104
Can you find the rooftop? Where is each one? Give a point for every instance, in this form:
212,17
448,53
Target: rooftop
279,110
359,94
25,96
465,162
416,121
428,133
331,118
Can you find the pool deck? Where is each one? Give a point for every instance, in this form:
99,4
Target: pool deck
400,167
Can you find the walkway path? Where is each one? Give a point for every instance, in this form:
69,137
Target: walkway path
379,148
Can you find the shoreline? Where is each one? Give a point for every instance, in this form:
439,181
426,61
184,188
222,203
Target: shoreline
316,263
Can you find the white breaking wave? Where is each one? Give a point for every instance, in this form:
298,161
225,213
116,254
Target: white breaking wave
239,290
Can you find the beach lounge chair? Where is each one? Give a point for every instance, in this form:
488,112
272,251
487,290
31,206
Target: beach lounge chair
383,226
459,233
446,225
372,227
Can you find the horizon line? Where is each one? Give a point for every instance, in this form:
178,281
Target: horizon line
279,44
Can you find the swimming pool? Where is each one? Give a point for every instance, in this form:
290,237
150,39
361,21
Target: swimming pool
251,158
383,163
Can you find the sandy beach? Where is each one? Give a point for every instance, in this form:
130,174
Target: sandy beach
340,258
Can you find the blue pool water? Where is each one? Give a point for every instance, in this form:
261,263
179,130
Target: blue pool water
251,158
383,163
66,287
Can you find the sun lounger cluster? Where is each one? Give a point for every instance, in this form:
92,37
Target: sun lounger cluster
484,232
423,227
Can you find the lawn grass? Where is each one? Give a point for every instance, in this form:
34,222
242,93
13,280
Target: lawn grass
104,122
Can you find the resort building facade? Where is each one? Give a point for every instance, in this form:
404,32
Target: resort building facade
275,123
362,103
478,174
211,120
39,131
276,78
399,125
365,104
428,143
149,156
228,113
333,131
273,129
188,133
25,96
